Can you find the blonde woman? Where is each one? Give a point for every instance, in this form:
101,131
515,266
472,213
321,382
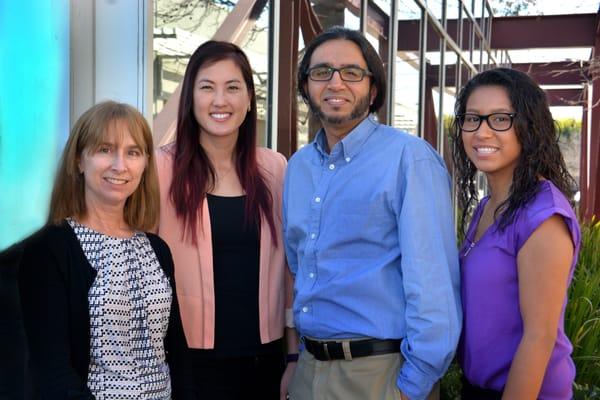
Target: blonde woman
96,291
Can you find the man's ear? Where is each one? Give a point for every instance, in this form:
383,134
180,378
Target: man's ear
373,94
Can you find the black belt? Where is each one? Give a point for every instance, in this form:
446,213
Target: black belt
349,349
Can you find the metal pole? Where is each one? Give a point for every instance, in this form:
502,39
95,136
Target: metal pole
393,52
422,71
273,80
442,85
364,6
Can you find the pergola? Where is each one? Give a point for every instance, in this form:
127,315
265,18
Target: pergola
581,30
506,33
545,32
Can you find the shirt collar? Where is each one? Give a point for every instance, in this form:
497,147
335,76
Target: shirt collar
352,142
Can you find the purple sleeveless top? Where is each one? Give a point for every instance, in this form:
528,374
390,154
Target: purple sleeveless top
492,326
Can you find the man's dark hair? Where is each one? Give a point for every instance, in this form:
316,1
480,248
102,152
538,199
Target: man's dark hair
374,63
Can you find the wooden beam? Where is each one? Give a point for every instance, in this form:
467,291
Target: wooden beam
238,22
287,128
583,156
576,30
309,22
430,126
556,73
591,166
571,30
565,97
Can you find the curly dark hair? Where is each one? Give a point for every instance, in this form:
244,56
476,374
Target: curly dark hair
536,132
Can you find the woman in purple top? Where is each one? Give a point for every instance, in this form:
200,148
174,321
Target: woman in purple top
521,247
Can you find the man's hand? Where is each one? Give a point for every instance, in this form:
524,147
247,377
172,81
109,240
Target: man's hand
286,378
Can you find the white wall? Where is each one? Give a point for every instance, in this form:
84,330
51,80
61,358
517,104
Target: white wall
111,54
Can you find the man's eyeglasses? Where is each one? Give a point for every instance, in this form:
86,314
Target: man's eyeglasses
348,74
499,122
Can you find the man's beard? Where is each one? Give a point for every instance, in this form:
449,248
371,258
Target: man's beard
360,110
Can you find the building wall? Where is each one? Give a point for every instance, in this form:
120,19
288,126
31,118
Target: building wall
34,109
57,59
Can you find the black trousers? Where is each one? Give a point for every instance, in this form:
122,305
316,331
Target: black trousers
233,378
471,392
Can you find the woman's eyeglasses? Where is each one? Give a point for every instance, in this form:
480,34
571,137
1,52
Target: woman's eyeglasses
499,122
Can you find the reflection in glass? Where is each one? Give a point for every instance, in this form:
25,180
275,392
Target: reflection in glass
486,23
407,9
303,113
477,57
448,99
386,5
467,36
465,74
430,94
435,8
332,12
180,27
256,47
406,110
378,40
486,63
452,7
478,10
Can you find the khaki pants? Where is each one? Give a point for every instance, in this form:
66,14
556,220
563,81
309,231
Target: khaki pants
365,378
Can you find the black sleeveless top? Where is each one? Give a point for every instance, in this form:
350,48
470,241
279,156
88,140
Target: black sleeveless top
236,258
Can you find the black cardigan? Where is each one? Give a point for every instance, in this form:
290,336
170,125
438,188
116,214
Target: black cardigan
54,281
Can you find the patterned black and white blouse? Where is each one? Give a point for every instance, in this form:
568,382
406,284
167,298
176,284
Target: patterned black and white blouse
129,305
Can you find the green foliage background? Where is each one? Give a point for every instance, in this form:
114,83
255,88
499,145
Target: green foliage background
568,127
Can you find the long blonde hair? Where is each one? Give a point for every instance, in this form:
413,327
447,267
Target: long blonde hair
68,194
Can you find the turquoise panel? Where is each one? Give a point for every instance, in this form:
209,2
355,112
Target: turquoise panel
34,110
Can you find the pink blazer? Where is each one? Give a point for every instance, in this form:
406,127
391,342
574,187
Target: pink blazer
194,264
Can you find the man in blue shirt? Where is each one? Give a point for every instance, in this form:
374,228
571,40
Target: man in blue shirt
369,237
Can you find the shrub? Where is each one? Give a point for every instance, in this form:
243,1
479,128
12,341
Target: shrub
568,127
582,318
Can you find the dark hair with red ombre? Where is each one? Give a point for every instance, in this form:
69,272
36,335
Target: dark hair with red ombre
193,173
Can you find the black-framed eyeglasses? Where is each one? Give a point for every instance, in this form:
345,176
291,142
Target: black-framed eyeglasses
499,122
348,74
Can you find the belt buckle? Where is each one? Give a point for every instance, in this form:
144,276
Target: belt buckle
326,351
346,349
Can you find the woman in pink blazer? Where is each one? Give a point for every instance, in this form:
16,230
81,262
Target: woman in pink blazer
221,217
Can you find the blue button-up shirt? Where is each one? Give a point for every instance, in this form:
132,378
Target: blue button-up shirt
369,236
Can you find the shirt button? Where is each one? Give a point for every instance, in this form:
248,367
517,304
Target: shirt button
331,166
304,309
312,235
311,275
348,159
317,199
